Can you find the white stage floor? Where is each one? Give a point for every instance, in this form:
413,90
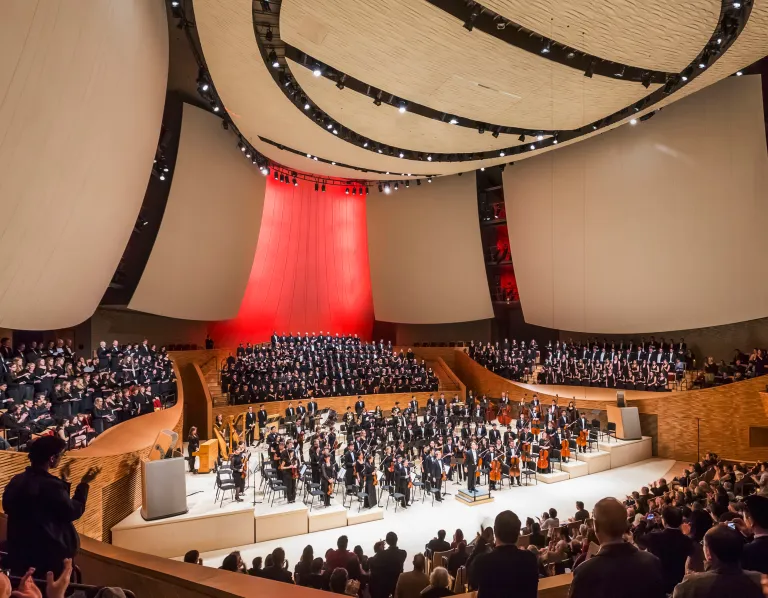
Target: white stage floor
418,524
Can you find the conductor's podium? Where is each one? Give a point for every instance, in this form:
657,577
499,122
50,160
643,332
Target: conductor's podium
207,456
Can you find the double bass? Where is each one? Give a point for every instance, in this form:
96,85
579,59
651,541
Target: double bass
505,416
536,426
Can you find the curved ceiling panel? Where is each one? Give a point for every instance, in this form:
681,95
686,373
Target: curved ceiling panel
653,34
419,52
387,125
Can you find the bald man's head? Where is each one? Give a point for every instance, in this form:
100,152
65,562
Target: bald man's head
610,520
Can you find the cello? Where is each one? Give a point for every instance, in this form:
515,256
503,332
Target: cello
582,439
565,449
505,416
543,461
495,473
514,466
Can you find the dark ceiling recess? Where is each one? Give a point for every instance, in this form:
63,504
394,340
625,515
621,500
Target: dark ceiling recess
733,17
493,24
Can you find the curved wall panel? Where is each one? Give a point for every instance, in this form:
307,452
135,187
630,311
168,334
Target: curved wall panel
651,227
311,270
426,254
204,250
82,88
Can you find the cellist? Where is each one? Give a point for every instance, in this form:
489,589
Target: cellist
512,462
492,455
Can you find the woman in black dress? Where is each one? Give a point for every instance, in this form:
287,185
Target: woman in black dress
193,446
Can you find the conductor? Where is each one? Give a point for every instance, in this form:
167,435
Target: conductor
471,464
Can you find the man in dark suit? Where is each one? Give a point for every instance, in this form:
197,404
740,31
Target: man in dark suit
250,425
262,416
386,567
506,570
756,552
359,407
494,435
471,464
618,569
670,545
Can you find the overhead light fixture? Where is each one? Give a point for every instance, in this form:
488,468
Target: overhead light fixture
340,82
379,187
317,71
175,3
295,182
646,80
469,24
533,147
554,141
397,187
354,191
306,106
329,126
702,65
429,179
346,192
429,158
402,155
335,131
546,48
501,153
633,121
269,35
365,144
418,182
540,137
275,175
377,99
737,5
407,184
314,158
739,73
333,163
521,139
379,150
265,171
282,178
317,186
495,134
273,59
241,145
309,155
482,169
620,74
590,69
323,188
247,154
594,127
386,188
481,128
402,107
453,121
215,107
162,177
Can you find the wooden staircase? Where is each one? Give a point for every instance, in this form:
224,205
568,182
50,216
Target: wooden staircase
217,396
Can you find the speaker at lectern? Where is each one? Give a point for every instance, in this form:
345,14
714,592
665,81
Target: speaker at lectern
163,481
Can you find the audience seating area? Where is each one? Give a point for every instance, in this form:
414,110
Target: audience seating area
299,367
50,390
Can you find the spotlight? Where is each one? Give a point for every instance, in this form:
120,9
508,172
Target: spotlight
282,178
215,108
481,128
273,59
620,74
247,154
379,150
162,177
354,191
317,186
521,138
737,5
165,169
323,188
396,187
340,82
329,126
202,85
335,131
241,146
545,49
386,188
407,184
347,191
482,169
470,22
333,163
365,144
633,121
377,99
175,3
646,80
402,155
702,65
429,158
418,182
306,106
402,107
295,182
275,175
739,73
501,153
316,71
594,127
453,121
495,134
539,137
429,179
533,147
590,69
265,170
684,78
379,187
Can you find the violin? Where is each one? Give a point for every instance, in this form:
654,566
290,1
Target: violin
543,462
565,449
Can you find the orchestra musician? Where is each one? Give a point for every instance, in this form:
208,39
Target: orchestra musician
436,474
262,418
368,483
403,480
250,426
236,462
359,407
327,477
193,446
287,466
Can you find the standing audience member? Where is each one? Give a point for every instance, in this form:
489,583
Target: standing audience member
410,584
386,567
40,512
303,568
619,568
724,578
506,567
670,545
756,552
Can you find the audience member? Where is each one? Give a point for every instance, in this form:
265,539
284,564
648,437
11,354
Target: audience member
40,511
193,556
386,567
256,570
340,556
619,568
506,564
411,583
458,558
438,544
756,552
439,584
303,568
670,545
581,513
338,581
233,562
277,570
724,578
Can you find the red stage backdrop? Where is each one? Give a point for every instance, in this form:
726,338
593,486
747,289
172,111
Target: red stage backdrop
310,271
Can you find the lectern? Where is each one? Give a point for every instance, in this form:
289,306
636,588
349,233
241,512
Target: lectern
163,481
627,420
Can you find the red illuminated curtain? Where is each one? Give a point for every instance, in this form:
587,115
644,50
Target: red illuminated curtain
310,271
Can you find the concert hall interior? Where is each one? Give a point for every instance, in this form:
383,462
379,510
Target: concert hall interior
407,298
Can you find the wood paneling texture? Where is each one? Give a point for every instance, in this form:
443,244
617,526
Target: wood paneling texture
713,419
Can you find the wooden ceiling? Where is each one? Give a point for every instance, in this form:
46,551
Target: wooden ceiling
416,51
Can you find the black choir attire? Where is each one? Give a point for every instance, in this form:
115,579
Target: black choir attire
193,447
288,481
471,466
262,417
327,478
402,479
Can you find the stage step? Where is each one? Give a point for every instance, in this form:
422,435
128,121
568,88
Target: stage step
552,478
597,461
481,497
575,469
